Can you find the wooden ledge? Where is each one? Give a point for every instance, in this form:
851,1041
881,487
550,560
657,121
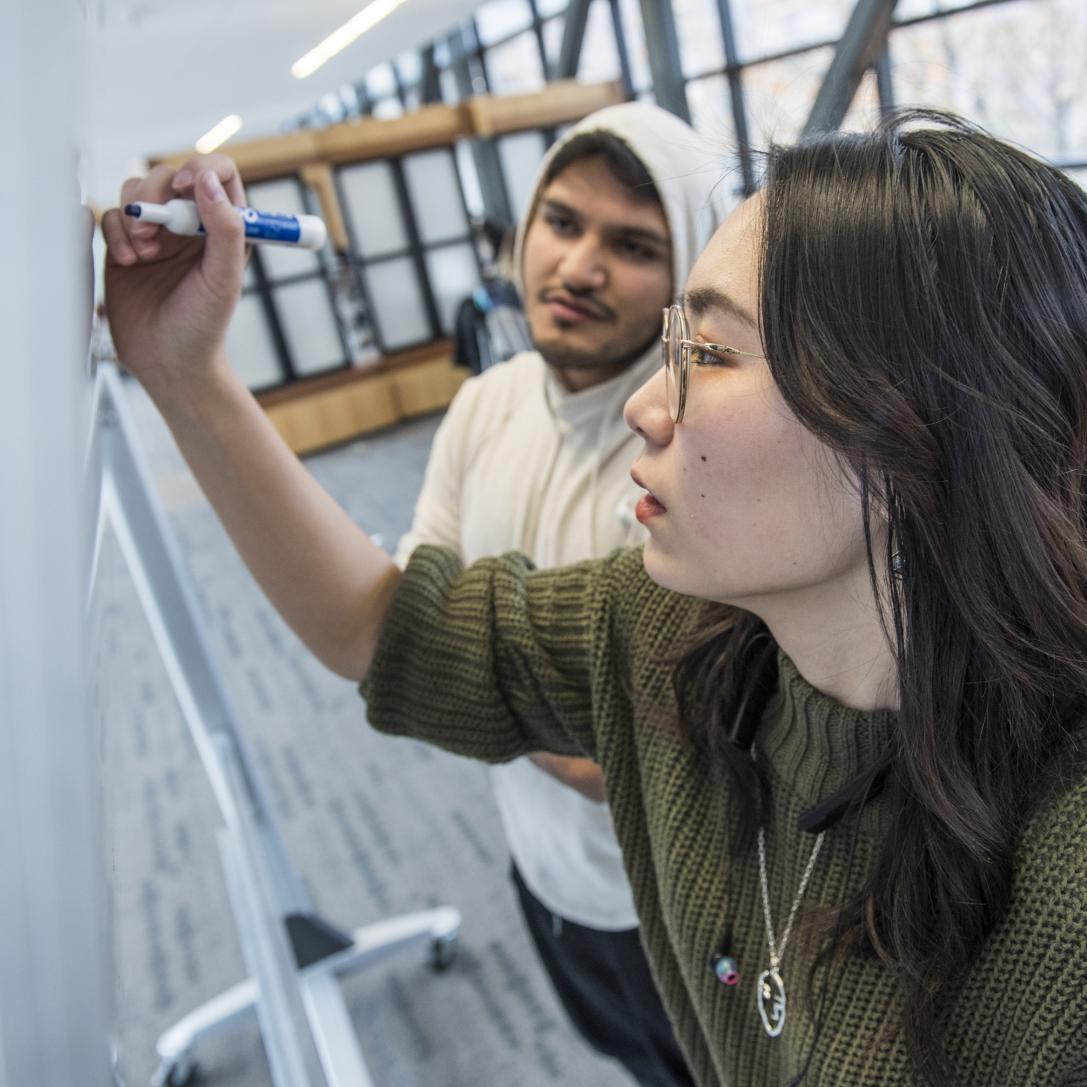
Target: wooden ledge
369,138
398,360
319,412
563,102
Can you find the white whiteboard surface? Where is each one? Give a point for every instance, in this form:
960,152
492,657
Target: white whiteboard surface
55,986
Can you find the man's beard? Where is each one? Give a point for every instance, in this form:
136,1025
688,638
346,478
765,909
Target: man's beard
562,358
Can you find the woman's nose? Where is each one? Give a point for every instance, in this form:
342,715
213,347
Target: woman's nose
647,414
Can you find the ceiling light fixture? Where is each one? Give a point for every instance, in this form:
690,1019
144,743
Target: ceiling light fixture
340,39
222,132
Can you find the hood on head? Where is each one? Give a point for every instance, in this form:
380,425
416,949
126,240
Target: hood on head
686,169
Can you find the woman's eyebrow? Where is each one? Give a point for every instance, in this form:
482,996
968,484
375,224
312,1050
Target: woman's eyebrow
702,299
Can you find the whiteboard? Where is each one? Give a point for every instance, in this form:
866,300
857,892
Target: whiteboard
55,981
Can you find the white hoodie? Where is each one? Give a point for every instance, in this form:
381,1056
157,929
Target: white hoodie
519,463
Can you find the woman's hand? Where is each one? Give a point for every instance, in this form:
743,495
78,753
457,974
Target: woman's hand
169,298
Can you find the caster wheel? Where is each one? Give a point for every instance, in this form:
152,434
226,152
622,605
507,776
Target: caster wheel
180,1073
443,953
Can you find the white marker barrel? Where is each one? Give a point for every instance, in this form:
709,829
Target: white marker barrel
262,227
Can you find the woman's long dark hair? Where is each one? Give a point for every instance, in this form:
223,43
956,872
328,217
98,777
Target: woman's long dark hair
924,311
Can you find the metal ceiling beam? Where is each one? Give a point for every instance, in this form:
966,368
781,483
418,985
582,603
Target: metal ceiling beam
541,46
430,83
858,50
662,44
626,77
573,35
362,93
885,81
736,96
492,182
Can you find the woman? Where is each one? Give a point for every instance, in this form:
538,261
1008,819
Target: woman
839,709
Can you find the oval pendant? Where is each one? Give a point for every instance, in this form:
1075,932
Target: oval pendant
770,997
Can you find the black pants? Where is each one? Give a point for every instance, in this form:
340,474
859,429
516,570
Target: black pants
603,981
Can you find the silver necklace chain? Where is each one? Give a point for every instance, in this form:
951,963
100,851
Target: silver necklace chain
770,991
776,953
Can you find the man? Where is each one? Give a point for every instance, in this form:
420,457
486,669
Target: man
534,456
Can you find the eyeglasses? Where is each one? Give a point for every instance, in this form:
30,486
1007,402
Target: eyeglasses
678,351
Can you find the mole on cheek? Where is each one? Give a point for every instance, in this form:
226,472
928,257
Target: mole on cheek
703,460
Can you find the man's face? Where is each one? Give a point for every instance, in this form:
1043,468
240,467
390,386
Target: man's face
597,268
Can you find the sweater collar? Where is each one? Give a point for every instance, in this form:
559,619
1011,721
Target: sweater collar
814,743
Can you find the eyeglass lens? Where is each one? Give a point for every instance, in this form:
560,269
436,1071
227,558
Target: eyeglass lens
673,360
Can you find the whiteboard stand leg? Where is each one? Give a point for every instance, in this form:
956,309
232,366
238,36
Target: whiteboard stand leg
295,958
434,930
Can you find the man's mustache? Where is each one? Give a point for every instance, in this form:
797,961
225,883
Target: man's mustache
582,300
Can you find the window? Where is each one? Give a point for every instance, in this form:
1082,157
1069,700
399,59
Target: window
767,27
547,8
779,95
469,180
711,112
634,30
286,324
250,346
435,196
411,243
515,66
520,156
1015,66
701,43
599,55
908,9
1018,69
381,82
501,19
864,112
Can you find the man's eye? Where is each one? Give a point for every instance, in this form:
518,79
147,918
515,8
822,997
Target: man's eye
636,250
560,224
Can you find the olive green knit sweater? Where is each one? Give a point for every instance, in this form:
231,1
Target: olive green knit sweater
501,660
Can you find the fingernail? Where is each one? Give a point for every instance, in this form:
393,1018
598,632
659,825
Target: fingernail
182,178
213,187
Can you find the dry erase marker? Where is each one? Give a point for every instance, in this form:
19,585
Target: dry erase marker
263,227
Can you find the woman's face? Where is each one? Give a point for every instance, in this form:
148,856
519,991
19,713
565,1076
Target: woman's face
749,506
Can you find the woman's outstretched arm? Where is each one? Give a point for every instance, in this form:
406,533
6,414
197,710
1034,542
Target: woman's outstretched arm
322,573
169,302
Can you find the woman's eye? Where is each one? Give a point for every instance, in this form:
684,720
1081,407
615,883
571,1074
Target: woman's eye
702,356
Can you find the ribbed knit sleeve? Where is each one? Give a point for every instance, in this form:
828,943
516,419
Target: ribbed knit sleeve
499,659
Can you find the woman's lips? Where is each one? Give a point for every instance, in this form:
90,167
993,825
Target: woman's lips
648,508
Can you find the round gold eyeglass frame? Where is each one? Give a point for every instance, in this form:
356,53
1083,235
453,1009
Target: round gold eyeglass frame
678,351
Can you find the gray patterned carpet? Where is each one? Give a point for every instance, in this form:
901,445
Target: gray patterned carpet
375,826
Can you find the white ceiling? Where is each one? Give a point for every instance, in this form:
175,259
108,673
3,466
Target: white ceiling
159,73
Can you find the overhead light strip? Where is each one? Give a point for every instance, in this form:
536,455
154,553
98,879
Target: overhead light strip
218,135
340,39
